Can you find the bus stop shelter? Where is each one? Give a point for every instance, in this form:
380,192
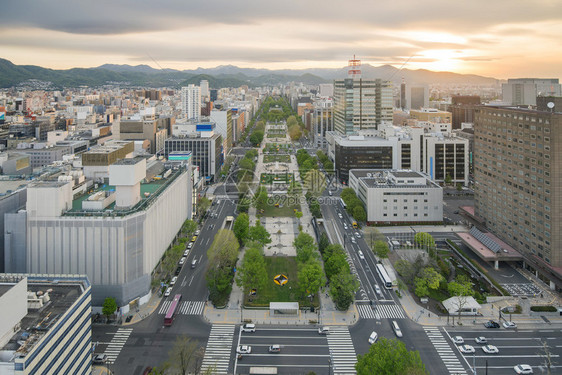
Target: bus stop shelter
283,308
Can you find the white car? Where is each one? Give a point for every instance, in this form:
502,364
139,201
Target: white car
353,240
197,232
345,226
168,292
373,338
357,235
173,281
244,349
490,349
458,340
186,253
182,260
509,325
481,340
340,215
249,327
361,256
378,290
467,349
523,369
190,245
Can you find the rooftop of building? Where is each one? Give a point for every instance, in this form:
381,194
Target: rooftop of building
524,109
9,184
379,178
108,147
62,291
149,191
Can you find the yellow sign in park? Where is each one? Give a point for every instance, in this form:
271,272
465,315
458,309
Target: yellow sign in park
281,279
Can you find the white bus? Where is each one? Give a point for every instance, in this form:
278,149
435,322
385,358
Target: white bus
384,276
343,204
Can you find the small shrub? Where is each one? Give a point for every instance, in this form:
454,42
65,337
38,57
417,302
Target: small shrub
544,308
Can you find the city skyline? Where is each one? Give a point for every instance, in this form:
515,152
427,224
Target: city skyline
491,39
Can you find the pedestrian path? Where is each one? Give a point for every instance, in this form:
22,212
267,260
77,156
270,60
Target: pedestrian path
446,353
117,343
218,350
342,352
185,308
381,312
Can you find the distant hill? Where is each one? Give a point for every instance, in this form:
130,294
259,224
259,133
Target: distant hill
218,77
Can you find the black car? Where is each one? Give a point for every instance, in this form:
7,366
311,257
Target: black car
491,324
178,270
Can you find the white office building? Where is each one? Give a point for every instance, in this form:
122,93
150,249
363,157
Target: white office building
397,196
191,102
524,91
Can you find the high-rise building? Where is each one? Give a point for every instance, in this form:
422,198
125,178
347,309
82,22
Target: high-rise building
205,147
191,102
204,84
359,103
322,122
517,170
524,91
462,109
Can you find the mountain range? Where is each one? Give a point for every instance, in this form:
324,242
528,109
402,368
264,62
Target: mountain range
218,77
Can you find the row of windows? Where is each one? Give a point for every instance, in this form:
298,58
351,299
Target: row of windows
404,200
404,215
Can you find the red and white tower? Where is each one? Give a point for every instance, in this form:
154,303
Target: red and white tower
354,70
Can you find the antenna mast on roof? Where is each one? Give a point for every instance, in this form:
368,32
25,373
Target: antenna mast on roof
354,70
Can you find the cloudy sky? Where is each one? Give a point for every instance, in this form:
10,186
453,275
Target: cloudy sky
498,38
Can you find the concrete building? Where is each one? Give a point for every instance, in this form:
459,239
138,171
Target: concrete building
40,157
223,120
517,169
204,85
326,90
416,96
412,148
361,104
116,234
524,91
322,122
396,196
46,324
191,102
96,162
155,130
206,150
462,109
15,163
431,114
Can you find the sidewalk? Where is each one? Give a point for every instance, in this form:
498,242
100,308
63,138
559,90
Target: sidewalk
144,310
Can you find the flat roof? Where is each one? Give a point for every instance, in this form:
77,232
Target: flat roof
131,161
407,174
9,186
63,292
507,253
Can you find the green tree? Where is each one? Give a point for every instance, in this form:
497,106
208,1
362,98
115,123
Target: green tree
257,137
432,277
109,307
456,288
311,278
336,263
389,357
405,269
252,273
421,288
323,243
343,286
329,166
331,249
291,121
241,227
359,213
305,253
424,240
347,193
295,132
203,205
381,249
222,255
189,227
303,239
259,234
260,198
448,179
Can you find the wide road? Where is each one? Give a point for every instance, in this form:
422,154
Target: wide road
148,342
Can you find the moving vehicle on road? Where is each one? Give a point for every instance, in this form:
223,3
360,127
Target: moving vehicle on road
378,290
373,338
354,225
193,239
340,215
361,256
168,292
384,276
323,330
491,324
173,281
263,370
467,349
509,325
490,349
458,340
193,263
99,359
244,349
171,313
523,369
249,327
197,232
396,328
481,340
343,203
274,349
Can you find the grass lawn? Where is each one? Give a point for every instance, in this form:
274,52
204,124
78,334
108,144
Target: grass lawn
274,158
284,211
268,178
276,293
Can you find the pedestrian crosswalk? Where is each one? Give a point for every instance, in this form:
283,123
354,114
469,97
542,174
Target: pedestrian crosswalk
117,343
342,352
218,350
379,311
185,307
446,353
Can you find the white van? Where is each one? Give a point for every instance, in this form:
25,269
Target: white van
323,330
249,327
396,329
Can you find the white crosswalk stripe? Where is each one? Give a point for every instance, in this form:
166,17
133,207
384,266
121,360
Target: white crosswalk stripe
218,350
117,343
185,307
380,312
342,352
447,354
